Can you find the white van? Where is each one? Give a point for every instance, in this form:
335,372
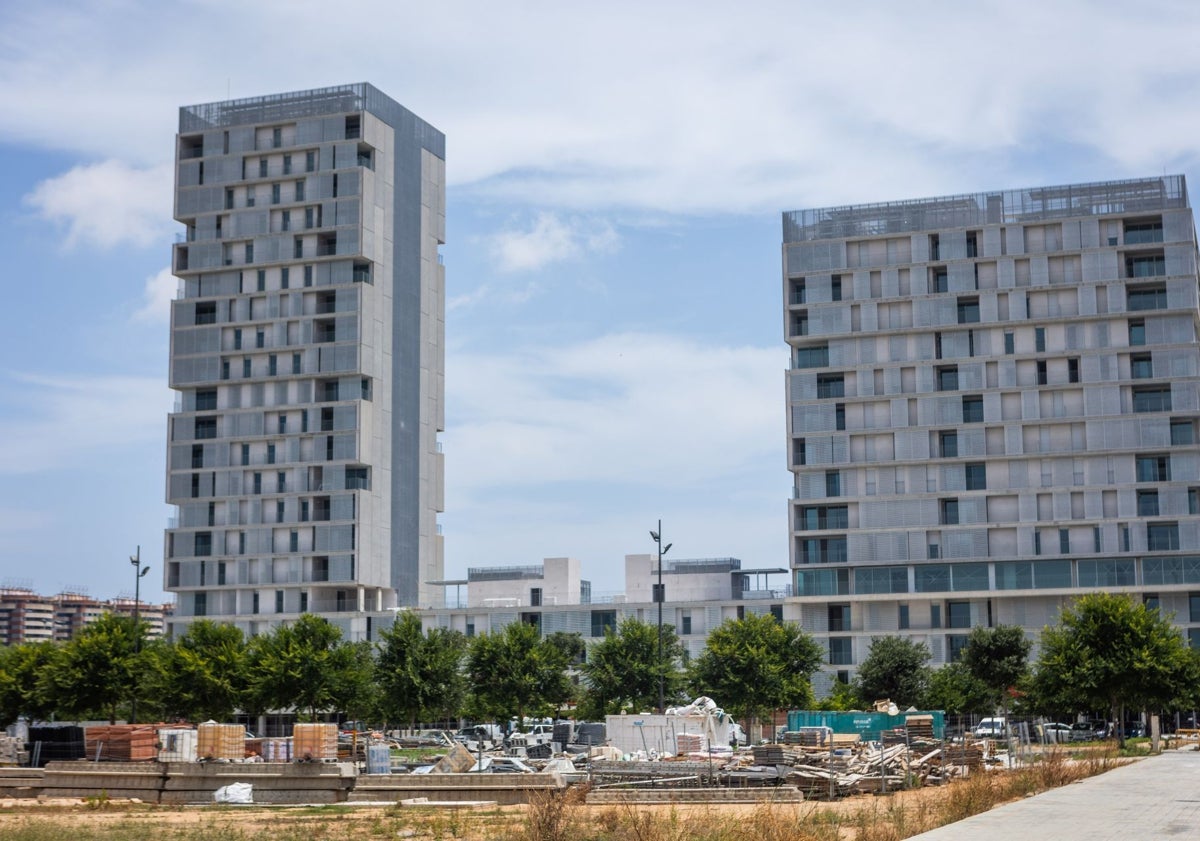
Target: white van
990,728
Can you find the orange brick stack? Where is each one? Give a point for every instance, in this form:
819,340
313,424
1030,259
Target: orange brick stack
122,742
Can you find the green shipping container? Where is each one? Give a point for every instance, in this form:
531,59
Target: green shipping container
866,724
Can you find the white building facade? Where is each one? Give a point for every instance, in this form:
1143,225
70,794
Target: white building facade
992,408
307,357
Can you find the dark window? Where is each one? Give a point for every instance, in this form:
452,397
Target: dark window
824,550
275,194
658,593
812,357
823,517
972,244
976,476
941,280
206,428
206,312
308,274
935,247
1041,372
197,456
1147,297
841,651
206,400
958,614
968,310
1010,345
287,164
200,604
949,510
1152,398
358,479
279,601
798,291
1039,339
1182,432
203,544
284,275
955,643
1162,537
1064,541
535,596
799,323
799,456
310,161
903,619
1141,366
835,288
833,483
245,454
1145,265
839,617
1073,370
1147,503
685,625
839,416
949,444
1137,233
972,408
1137,332
935,616
831,385
606,620
947,378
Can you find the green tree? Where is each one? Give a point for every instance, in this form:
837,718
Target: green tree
895,669
516,673
999,659
419,673
98,670
622,670
956,691
755,665
201,675
304,666
841,698
1109,651
21,690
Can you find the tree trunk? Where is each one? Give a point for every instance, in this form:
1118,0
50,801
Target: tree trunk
1119,724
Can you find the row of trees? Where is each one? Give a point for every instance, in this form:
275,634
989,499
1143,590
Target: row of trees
1108,652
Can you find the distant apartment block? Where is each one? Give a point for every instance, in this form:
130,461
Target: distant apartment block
26,616
307,356
992,408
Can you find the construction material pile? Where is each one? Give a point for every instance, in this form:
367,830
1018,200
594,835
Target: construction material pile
122,742
839,769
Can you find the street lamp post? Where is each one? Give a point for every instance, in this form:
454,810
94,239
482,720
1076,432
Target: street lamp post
659,596
139,572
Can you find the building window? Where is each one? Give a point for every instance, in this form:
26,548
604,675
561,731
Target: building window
272,365
1145,231
1153,468
949,511
245,454
948,441
658,593
310,161
1182,432
935,616
1147,503
285,221
835,288
958,614
799,322
1039,339
1152,398
839,416
246,370
841,651
262,167
203,545
955,643
1064,541
1010,345
1145,265
799,457
270,453
968,310
831,385
941,279
358,478
1073,370
824,550
1194,500
206,400
902,624
200,604
833,483
976,476
947,378
1146,297
197,456
1137,332
295,363
1162,537
206,428
275,194
249,252
972,244
972,408
839,617
1041,372
606,620
822,517
935,247
206,313
685,624
1141,366
812,357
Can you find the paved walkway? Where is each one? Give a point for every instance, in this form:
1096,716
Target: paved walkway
1154,798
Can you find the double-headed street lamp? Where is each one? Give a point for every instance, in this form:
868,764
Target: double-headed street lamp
656,536
139,572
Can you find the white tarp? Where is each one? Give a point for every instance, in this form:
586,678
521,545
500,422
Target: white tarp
234,793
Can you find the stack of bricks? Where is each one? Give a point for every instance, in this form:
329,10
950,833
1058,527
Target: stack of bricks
122,742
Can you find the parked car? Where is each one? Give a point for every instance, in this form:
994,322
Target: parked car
990,728
1088,731
1134,730
1055,733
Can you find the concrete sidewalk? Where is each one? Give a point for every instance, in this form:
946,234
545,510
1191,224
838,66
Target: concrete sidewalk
1153,798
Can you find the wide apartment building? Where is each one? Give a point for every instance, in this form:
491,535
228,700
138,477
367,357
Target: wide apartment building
992,408
26,616
307,354
698,595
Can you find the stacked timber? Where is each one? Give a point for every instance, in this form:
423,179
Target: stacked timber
919,727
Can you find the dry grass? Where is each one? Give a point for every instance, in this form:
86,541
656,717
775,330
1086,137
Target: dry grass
565,817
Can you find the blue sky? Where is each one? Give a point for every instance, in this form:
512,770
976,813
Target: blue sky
616,174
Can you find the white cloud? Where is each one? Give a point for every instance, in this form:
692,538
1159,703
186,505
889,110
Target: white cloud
772,105
159,291
651,410
53,422
107,204
550,239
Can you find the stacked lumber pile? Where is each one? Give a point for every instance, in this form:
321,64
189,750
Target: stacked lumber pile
122,742
919,727
777,755
686,743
